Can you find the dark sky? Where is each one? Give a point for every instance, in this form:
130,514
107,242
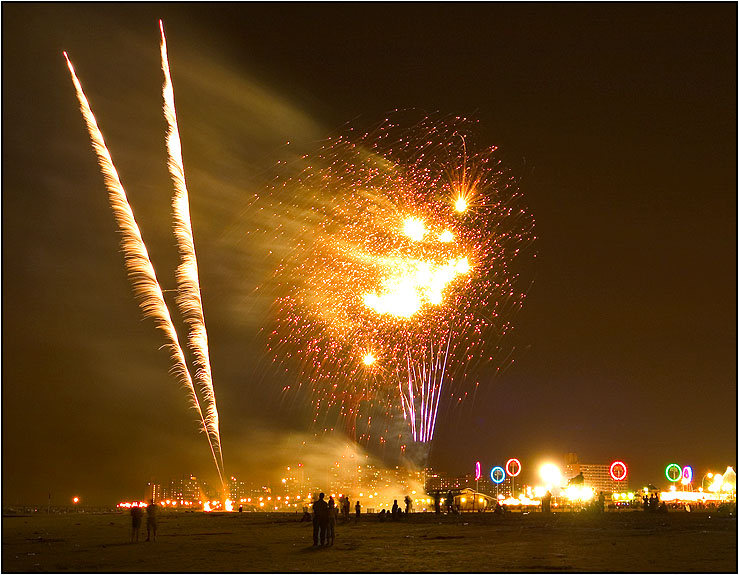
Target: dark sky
620,120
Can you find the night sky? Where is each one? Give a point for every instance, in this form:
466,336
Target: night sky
619,119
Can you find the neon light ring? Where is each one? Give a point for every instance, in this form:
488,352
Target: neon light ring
508,467
618,471
673,476
687,474
497,475
477,471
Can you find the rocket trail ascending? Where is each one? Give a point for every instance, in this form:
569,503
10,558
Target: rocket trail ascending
189,298
145,286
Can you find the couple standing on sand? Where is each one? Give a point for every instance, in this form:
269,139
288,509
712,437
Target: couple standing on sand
324,520
137,514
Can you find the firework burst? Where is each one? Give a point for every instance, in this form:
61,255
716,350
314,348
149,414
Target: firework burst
400,282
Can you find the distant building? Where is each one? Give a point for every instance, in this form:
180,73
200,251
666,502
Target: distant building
237,490
153,492
595,475
440,481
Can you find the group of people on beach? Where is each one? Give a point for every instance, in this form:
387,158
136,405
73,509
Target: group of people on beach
325,515
652,503
137,515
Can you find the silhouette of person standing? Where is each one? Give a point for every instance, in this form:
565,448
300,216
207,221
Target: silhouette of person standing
332,513
437,503
151,521
546,502
320,520
346,508
408,503
136,514
357,510
395,509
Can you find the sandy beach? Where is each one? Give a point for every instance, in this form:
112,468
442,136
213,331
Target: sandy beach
197,542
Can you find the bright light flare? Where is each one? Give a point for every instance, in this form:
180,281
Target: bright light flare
446,237
369,359
460,204
550,475
412,284
579,493
414,228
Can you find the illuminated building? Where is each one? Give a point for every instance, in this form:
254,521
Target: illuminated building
153,492
237,490
596,475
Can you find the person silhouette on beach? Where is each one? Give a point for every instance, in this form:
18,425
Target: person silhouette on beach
408,503
346,508
151,521
136,514
395,509
437,503
546,502
332,513
320,520
357,510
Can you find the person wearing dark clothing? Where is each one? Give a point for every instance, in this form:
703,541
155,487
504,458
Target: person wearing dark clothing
382,515
601,502
546,502
395,510
332,513
357,509
437,503
320,520
136,514
408,503
151,521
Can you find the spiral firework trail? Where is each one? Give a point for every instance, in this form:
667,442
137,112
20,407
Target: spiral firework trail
189,298
400,281
145,286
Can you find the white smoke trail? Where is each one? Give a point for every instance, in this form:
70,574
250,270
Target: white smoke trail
145,286
189,298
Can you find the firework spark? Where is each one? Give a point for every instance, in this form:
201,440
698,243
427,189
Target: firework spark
403,255
189,298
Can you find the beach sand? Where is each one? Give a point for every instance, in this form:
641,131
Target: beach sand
257,542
